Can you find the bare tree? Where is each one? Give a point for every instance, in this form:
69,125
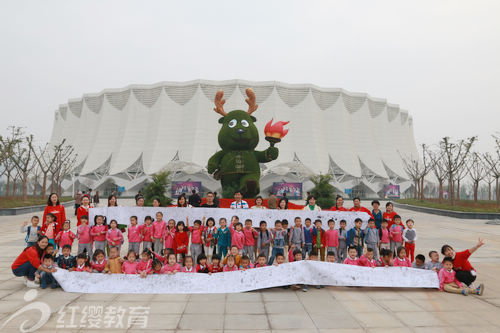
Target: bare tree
493,160
22,158
440,172
7,145
455,155
64,161
477,171
461,173
417,168
488,178
44,158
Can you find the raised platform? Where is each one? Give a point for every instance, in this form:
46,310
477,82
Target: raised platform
450,213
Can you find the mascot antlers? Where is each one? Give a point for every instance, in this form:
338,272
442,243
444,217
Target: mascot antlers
219,102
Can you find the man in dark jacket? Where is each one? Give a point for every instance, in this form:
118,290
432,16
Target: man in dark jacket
194,199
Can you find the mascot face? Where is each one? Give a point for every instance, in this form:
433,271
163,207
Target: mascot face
238,131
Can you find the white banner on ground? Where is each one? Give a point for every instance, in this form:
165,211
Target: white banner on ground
122,215
301,272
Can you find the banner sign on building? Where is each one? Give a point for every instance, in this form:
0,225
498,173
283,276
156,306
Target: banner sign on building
185,187
292,190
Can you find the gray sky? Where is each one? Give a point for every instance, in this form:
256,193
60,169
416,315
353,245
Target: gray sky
440,60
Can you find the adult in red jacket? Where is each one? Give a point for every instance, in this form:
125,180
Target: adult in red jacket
339,204
465,273
389,214
55,207
30,260
358,208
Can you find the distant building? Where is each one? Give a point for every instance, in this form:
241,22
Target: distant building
124,135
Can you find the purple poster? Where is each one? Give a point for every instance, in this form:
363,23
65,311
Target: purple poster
292,190
185,187
391,191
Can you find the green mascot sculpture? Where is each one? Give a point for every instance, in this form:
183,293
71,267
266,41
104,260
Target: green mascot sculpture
237,164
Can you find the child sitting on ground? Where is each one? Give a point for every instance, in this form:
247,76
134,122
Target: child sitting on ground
157,267
82,263
145,266
401,260
171,266
130,265
419,262
261,261
385,259
231,264
114,262
330,257
202,266
368,259
351,256
46,278
216,265
66,260
188,265
98,262
246,263
434,265
449,283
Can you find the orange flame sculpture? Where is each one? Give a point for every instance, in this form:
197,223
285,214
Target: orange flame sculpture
274,133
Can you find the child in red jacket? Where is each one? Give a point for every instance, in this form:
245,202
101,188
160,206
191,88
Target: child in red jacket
181,241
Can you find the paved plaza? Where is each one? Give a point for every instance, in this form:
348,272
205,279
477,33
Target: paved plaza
333,309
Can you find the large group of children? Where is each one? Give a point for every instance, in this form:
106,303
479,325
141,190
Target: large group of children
169,247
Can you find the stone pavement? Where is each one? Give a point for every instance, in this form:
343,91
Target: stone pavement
333,309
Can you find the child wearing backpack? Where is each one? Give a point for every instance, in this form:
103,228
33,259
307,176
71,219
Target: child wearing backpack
278,235
396,233
114,236
263,239
32,231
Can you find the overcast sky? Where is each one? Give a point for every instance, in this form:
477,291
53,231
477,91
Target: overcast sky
440,60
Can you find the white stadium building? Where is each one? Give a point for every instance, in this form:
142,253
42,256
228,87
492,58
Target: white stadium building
122,136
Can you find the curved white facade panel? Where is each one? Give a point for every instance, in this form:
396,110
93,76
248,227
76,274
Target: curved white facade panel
138,130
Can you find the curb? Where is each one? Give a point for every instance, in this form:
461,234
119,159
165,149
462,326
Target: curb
450,213
29,209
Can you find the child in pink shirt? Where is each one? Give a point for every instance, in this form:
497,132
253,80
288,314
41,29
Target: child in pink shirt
401,260
383,233
83,235
145,266
130,265
158,236
114,236
231,264
196,232
65,236
171,266
134,235
98,262
188,265
98,233
396,233
351,256
367,259
147,233
82,263
170,234
332,238
449,283
249,241
237,236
